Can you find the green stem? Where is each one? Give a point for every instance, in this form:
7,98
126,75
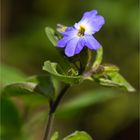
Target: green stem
53,108
58,99
90,59
49,126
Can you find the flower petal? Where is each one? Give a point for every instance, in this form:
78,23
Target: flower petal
62,42
86,16
91,22
91,42
80,46
95,24
89,14
71,47
70,31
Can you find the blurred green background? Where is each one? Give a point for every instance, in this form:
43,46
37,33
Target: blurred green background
25,47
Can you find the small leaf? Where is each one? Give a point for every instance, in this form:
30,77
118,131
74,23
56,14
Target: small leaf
51,35
55,136
117,78
78,135
37,84
113,79
55,70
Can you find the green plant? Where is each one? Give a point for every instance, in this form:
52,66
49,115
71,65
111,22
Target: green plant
73,71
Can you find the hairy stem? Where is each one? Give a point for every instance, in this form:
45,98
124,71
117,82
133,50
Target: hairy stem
53,107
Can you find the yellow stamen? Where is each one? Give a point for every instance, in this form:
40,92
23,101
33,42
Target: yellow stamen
81,31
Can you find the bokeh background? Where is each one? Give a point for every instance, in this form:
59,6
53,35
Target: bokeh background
25,47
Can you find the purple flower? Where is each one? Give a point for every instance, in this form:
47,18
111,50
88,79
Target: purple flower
81,34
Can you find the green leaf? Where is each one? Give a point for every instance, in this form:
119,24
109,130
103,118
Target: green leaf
55,136
107,68
51,35
113,79
78,135
10,121
55,70
118,79
44,85
99,57
10,75
40,84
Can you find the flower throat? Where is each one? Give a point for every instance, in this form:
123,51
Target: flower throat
81,31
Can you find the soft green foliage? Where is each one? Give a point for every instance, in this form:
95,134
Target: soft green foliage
103,104
10,75
86,99
19,89
78,135
55,70
10,121
41,84
114,115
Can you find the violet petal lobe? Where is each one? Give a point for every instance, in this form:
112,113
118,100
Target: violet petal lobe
71,47
80,46
70,31
88,14
91,42
62,42
91,21
96,23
